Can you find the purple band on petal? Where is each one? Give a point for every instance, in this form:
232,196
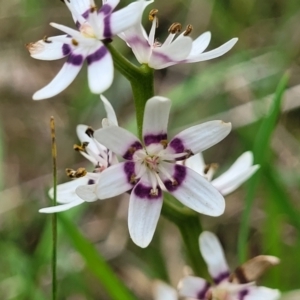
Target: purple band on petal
221,277
129,169
107,28
144,192
96,56
177,145
243,294
66,49
131,149
86,13
201,294
91,181
179,176
75,60
105,9
135,40
154,138
163,57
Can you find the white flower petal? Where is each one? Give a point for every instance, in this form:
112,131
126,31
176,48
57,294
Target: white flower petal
236,175
213,53
111,3
200,44
62,207
162,291
66,191
200,137
193,287
261,293
193,190
171,54
213,254
100,69
110,113
118,140
126,17
115,180
156,118
50,50
87,192
64,77
70,31
144,211
196,163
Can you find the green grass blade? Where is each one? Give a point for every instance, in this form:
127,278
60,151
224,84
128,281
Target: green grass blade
96,264
260,151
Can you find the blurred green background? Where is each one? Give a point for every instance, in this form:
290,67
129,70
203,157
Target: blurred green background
237,87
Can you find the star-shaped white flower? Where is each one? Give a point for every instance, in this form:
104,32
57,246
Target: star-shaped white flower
94,25
241,170
151,168
172,51
239,285
98,155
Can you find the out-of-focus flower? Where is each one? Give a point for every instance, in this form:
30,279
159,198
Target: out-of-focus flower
151,168
94,25
98,155
162,291
229,181
172,51
239,285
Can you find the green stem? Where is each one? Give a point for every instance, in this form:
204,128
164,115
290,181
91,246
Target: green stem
142,83
54,216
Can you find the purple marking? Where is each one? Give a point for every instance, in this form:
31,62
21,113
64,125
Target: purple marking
66,49
163,57
131,149
144,192
129,169
243,294
91,181
201,294
96,56
107,33
221,277
154,138
179,176
177,145
105,9
137,41
75,60
86,13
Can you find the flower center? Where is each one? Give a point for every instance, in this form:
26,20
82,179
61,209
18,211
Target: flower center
217,294
152,162
87,31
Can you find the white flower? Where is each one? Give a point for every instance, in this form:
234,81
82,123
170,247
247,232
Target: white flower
162,291
229,181
239,285
85,44
98,155
151,168
181,50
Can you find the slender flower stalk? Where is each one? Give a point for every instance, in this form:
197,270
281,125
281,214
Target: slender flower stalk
54,217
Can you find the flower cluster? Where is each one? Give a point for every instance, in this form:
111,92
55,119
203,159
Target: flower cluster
153,166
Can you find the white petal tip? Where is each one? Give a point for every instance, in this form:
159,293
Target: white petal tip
45,211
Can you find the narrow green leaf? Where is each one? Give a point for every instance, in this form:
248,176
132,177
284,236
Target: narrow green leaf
260,150
96,264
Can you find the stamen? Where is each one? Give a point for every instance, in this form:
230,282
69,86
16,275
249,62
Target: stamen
164,143
210,166
81,147
175,28
90,132
74,42
133,179
188,30
154,192
45,39
76,174
152,14
93,9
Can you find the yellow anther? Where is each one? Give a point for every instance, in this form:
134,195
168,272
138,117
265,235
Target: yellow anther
74,42
188,30
76,174
175,28
81,147
152,14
